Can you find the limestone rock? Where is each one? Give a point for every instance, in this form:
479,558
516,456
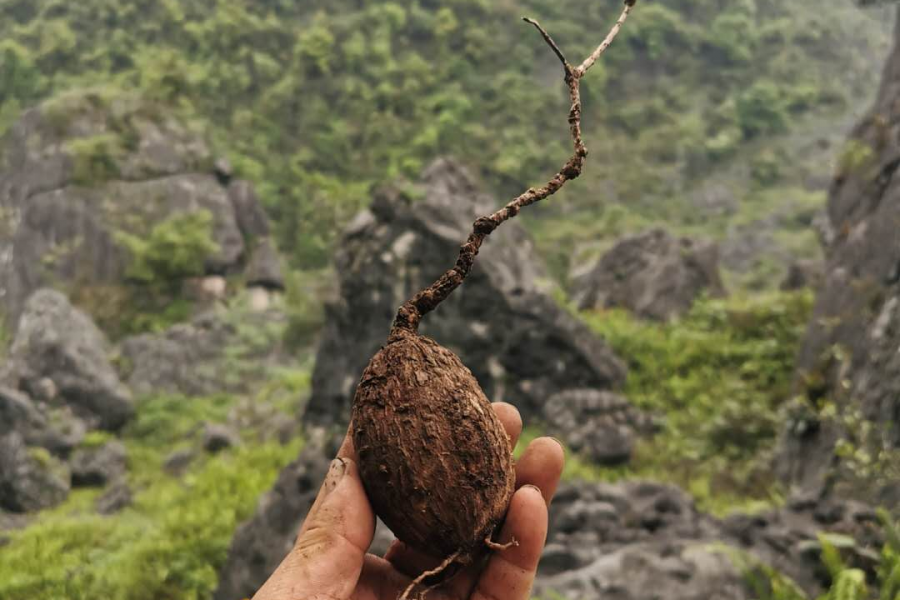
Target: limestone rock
803,274
95,467
600,425
629,540
652,274
178,461
115,499
29,480
217,437
503,324
17,413
248,211
221,350
59,344
264,268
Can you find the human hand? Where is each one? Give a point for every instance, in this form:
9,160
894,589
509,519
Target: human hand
329,560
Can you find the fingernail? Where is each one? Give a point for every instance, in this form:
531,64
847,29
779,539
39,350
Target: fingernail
561,445
534,487
335,474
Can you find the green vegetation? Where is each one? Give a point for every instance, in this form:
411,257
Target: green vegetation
847,583
316,101
717,378
707,116
94,158
173,540
174,249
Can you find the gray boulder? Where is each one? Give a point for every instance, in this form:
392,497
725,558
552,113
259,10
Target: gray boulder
248,211
54,428
118,497
849,355
17,413
642,540
95,467
504,325
674,571
60,353
803,274
178,461
221,350
29,480
218,437
264,268
598,424
652,274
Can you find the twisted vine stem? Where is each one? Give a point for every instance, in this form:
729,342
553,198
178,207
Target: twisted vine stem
410,314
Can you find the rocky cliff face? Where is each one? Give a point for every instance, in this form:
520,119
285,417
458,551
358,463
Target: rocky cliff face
79,170
850,356
503,324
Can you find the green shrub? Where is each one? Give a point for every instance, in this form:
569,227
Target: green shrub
732,35
95,159
767,168
174,249
660,32
761,110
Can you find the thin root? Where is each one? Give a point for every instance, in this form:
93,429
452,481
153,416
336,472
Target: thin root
437,571
499,547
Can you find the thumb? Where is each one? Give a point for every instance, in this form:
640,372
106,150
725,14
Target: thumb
327,558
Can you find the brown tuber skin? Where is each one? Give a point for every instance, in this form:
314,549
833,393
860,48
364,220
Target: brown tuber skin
434,458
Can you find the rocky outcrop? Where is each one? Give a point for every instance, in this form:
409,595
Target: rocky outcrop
60,357
53,428
264,269
118,497
80,170
29,480
95,467
849,356
605,540
17,413
623,540
508,330
803,274
600,425
218,437
652,274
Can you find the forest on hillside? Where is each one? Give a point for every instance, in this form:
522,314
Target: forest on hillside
211,210
316,101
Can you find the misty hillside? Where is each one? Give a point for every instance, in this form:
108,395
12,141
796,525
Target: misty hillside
713,116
